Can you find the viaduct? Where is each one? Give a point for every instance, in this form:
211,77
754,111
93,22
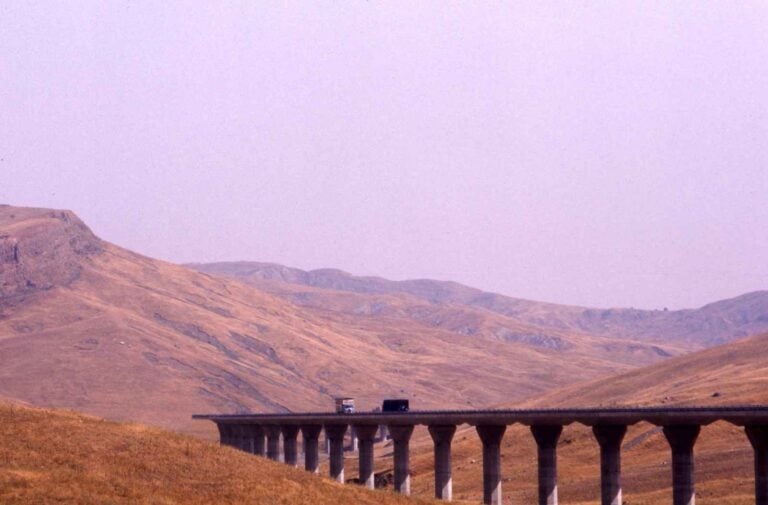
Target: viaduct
681,426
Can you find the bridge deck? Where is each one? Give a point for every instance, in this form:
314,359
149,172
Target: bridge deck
739,415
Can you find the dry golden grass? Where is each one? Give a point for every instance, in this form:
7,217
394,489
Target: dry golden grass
65,457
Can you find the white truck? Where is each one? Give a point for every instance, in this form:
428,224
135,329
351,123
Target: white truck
345,405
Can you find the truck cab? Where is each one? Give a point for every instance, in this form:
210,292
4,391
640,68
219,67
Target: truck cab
345,405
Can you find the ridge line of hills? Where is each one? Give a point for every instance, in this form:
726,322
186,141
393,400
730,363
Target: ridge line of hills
88,325
720,321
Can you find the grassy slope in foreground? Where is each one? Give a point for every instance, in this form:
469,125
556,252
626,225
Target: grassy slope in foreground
64,457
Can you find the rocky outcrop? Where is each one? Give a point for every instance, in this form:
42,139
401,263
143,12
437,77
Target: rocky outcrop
41,249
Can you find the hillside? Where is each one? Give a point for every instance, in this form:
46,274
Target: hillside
713,324
87,325
732,374
65,457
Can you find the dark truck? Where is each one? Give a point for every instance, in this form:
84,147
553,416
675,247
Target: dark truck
394,405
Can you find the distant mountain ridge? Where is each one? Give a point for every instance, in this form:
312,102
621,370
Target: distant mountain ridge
713,324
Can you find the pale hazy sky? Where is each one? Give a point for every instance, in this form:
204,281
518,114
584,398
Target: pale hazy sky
593,153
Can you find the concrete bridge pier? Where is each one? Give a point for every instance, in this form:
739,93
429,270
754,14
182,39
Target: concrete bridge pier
366,433
244,440
546,439
335,433
310,434
224,437
273,442
256,432
610,437
290,444
682,438
401,435
758,437
233,437
442,435
353,440
491,436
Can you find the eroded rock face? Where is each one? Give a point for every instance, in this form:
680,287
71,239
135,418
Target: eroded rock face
41,249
